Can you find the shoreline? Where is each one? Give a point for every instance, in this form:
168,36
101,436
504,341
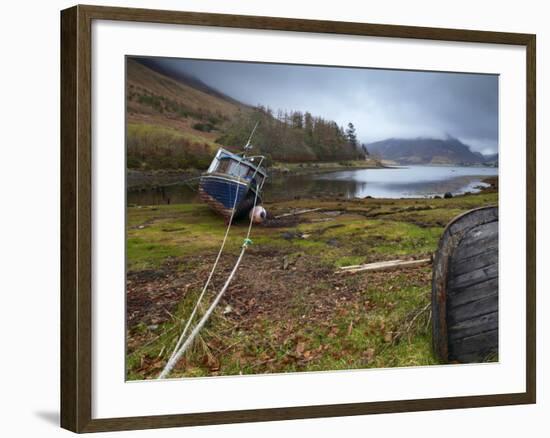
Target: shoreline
486,184
322,167
137,180
149,179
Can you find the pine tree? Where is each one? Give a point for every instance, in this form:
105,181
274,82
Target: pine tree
297,120
351,135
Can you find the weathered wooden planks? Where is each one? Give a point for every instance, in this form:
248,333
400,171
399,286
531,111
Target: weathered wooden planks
473,277
473,326
475,262
472,310
465,288
473,293
477,347
477,241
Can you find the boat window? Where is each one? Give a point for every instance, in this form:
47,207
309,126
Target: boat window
213,165
238,169
223,165
232,167
255,176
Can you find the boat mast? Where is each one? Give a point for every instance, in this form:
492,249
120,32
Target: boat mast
248,145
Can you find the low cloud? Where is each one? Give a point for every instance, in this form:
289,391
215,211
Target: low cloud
380,103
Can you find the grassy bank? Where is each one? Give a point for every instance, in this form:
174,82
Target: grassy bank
152,147
318,167
286,310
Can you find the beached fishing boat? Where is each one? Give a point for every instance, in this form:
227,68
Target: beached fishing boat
233,181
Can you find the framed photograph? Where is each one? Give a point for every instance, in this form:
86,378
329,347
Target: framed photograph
269,218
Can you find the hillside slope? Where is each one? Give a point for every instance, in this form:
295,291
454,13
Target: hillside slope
426,151
175,121
171,124
182,77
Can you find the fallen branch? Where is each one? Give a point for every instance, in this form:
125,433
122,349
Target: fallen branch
295,213
406,326
383,266
426,308
417,315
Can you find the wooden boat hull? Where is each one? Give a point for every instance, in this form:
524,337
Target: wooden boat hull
465,288
219,192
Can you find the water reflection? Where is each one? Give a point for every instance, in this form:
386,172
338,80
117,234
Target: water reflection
172,194
402,182
405,182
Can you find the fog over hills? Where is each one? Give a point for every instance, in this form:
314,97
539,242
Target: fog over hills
380,103
404,116
428,151
168,70
177,121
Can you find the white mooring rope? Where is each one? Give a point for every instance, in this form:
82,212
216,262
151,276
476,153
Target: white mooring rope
182,336
179,350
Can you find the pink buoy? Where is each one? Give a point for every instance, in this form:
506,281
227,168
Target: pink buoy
258,214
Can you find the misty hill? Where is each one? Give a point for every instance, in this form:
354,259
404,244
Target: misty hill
152,93
491,160
175,121
184,78
426,151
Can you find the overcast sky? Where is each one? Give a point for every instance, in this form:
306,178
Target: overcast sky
380,103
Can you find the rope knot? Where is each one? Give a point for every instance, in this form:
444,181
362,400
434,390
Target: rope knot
247,242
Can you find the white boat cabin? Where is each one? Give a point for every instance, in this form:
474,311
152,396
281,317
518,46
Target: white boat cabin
231,164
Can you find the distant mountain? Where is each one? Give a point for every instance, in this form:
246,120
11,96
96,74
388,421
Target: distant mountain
426,151
491,160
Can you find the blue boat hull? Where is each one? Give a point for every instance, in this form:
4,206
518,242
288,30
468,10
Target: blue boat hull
220,191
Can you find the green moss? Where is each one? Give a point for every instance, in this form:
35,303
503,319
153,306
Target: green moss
155,234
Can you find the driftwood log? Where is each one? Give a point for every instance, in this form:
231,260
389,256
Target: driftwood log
465,288
388,265
296,213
